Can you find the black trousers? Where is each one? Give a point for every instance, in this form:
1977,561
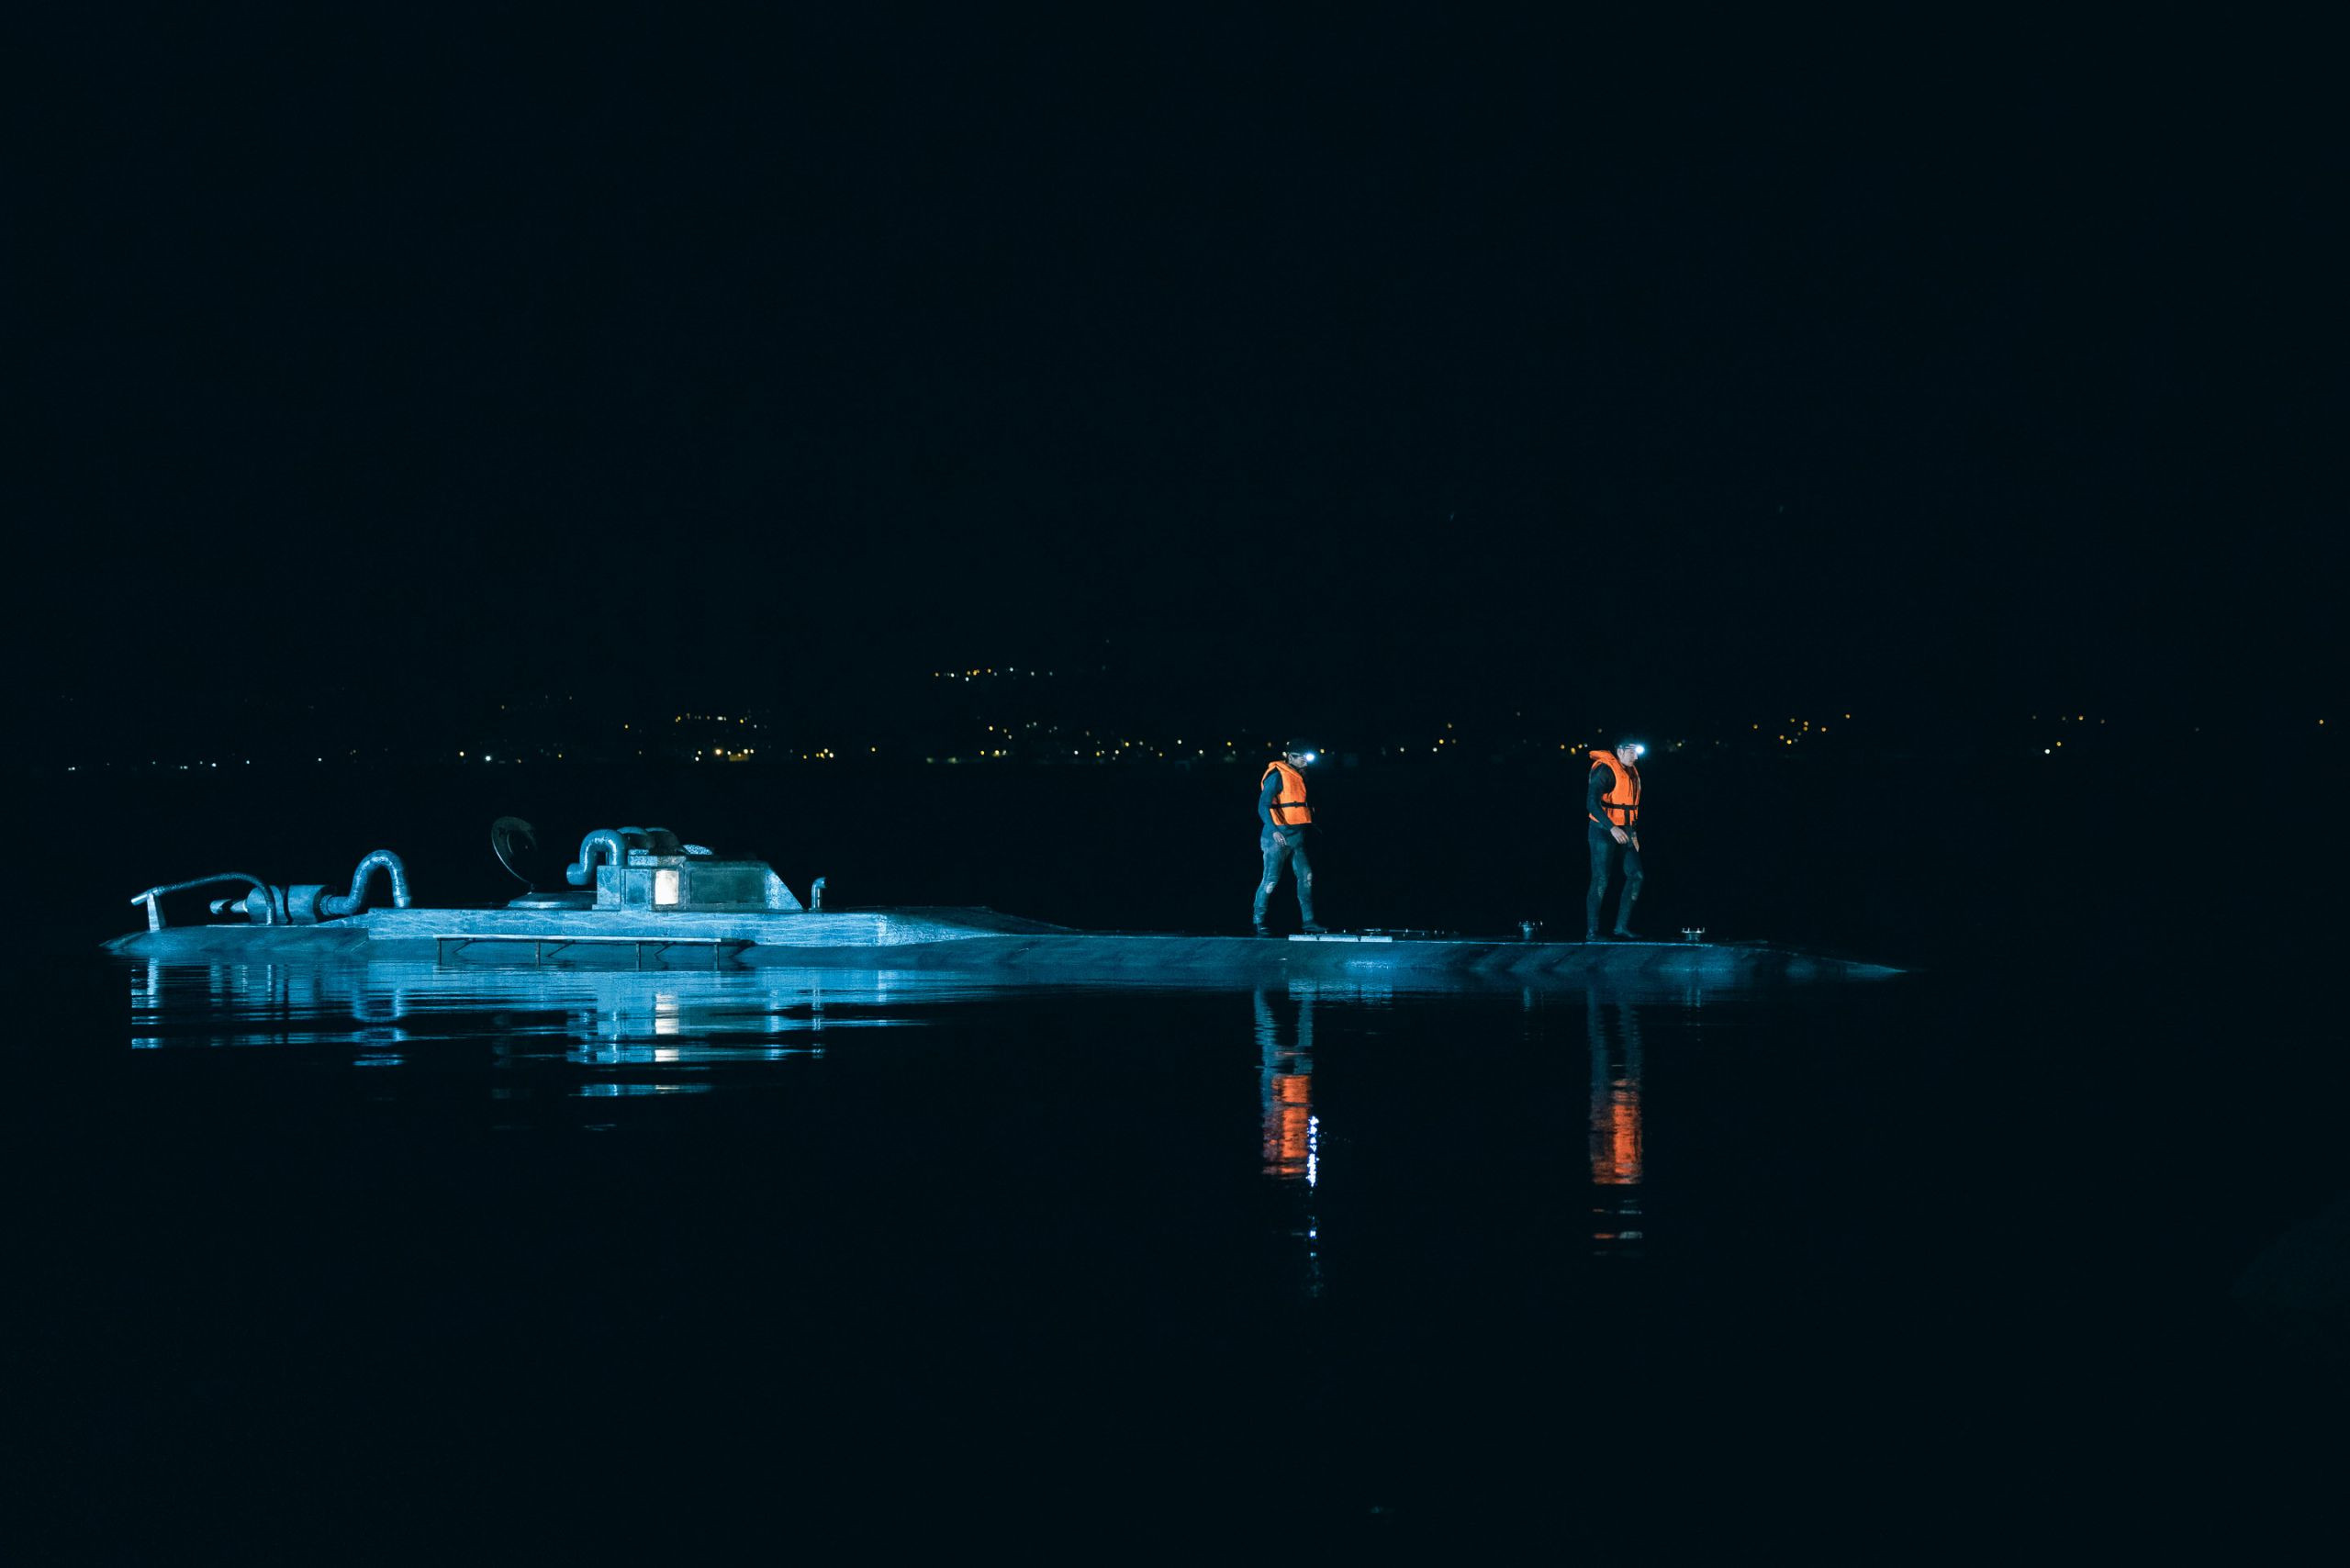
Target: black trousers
1278,850
1606,855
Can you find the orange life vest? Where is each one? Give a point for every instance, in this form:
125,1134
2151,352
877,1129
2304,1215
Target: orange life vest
1622,800
1290,809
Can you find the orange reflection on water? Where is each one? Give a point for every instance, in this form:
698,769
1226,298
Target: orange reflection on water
1290,1135
1286,1089
1615,1135
1289,1124
1613,1033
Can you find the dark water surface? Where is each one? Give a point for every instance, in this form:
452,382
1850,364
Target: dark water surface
320,1258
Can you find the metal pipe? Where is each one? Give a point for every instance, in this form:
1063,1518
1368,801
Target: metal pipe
606,839
269,900
334,907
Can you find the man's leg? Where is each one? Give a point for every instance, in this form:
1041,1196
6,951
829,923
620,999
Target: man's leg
1302,869
1632,892
1603,858
1275,850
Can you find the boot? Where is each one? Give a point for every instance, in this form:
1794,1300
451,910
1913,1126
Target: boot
1623,931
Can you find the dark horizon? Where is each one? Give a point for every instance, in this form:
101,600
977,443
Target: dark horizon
1301,379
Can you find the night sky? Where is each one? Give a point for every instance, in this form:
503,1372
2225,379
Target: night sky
1293,368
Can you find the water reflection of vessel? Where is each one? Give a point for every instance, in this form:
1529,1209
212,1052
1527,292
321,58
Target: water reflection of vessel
595,1016
642,897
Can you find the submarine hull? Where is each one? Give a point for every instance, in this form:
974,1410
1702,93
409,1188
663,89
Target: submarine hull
975,940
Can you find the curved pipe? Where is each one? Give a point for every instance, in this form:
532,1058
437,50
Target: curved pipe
504,835
609,842
272,899
334,906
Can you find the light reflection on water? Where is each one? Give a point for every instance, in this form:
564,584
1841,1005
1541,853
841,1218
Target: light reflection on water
1292,1135
609,1015
626,1034
1612,1032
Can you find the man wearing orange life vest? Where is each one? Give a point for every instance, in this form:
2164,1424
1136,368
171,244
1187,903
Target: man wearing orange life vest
1284,816
1612,802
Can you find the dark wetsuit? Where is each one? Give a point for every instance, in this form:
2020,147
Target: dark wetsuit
1606,855
1278,844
